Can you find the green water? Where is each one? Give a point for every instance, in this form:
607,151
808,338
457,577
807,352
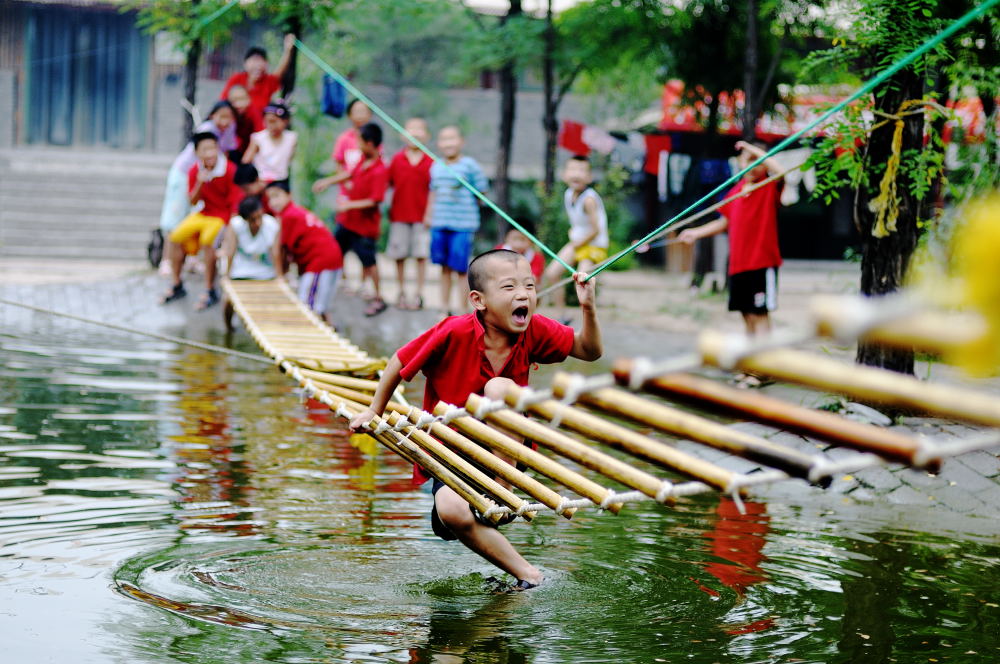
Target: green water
166,505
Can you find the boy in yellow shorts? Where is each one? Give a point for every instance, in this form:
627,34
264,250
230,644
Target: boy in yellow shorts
214,197
588,225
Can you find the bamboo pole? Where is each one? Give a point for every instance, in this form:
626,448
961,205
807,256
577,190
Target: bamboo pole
762,408
583,454
688,425
625,439
529,457
344,381
473,451
865,383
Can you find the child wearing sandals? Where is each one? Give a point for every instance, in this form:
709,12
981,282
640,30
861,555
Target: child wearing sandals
359,220
484,353
409,236
214,196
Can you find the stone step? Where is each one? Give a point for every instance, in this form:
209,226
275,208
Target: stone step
14,206
34,186
62,157
75,252
74,235
47,219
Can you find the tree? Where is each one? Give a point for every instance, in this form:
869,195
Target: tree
901,155
194,25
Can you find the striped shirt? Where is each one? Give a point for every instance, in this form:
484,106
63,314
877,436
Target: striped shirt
455,207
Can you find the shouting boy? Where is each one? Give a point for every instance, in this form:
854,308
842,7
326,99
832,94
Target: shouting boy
484,353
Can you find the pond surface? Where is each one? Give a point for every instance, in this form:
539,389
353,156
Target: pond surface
168,505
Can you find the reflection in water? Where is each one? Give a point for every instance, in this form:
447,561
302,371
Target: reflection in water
238,523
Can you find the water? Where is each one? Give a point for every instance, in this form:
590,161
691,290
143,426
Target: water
167,505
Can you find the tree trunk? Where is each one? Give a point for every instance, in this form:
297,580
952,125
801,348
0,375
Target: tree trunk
288,80
884,261
549,121
191,86
750,102
508,104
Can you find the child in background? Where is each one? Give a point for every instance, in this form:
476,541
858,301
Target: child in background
272,149
248,121
214,197
347,149
453,214
307,242
484,353
258,82
517,241
359,221
754,256
220,122
248,246
588,225
410,179
249,181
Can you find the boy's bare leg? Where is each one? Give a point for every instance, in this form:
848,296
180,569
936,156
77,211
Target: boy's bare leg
757,323
175,252
445,287
421,278
488,542
227,315
209,255
371,272
400,269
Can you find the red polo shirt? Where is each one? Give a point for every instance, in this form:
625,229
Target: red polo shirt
453,358
261,92
219,194
308,241
753,227
368,180
411,183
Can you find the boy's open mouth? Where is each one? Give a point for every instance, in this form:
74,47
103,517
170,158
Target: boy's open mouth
520,315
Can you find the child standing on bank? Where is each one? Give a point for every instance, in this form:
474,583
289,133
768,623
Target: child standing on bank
272,149
214,196
754,256
259,83
484,353
588,225
410,179
516,240
306,241
359,220
453,214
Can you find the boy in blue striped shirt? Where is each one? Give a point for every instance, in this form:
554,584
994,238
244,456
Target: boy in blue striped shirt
453,214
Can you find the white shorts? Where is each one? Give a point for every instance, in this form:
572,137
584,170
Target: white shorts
408,240
317,289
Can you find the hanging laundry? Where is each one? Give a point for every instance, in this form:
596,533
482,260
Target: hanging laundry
571,137
598,139
655,144
678,167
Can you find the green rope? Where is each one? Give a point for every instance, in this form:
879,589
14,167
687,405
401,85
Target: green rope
214,15
423,148
863,90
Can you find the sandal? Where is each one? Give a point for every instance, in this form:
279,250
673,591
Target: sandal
175,293
419,304
524,584
209,299
376,307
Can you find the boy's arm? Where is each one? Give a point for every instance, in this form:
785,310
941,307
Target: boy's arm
429,210
251,152
229,247
587,343
590,207
286,56
323,184
383,393
358,204
691,235
278,256
771,163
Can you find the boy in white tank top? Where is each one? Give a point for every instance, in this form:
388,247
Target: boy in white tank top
588,226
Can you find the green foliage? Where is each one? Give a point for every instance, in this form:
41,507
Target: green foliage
186,21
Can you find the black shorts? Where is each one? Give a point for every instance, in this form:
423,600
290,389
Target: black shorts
438,526
754,292
363,247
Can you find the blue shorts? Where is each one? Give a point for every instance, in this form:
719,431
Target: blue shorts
451,248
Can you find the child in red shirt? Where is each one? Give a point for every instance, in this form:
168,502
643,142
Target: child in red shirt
484,353
306,241
517,241
409,237
214,197
259,83
359,221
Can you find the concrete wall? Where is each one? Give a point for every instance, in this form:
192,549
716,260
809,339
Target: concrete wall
8,110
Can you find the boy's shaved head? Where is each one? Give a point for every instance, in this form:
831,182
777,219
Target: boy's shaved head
479,268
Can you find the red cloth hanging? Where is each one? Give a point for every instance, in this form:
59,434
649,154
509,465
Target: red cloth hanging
571,137
655,144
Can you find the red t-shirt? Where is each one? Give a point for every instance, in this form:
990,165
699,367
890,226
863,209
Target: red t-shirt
453,358
261,92
308,241
753,228
411,184
219,194
534,257
368,180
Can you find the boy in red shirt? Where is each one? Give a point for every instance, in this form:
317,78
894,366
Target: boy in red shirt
214,197
409,237
754,257
484,353
306,241
259,83
359,221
